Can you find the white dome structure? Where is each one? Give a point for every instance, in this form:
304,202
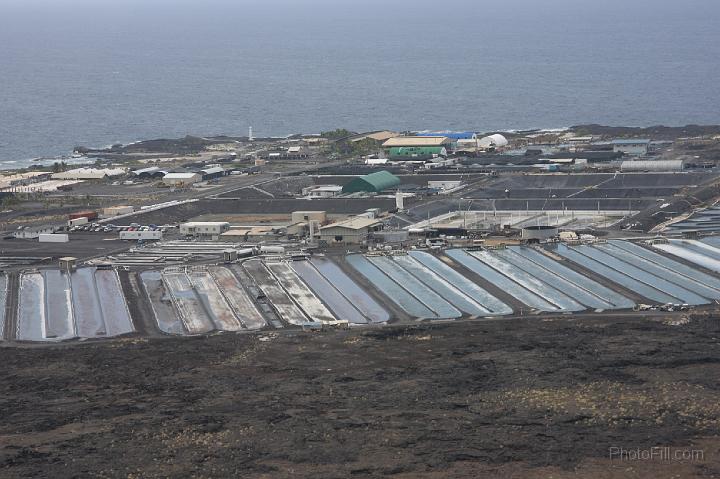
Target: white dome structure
493,141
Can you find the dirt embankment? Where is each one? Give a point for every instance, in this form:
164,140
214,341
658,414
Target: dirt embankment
521,398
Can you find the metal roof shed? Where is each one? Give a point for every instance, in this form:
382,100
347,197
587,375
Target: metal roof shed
372,183
417,141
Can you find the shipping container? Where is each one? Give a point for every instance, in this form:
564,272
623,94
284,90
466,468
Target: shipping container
53,238
78,221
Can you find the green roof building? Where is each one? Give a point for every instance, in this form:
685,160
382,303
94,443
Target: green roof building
372,183
416,152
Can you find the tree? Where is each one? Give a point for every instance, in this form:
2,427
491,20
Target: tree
337,134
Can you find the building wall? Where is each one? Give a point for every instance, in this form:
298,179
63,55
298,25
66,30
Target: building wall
299,216
349,236
141,235
203,230
213,176
181,181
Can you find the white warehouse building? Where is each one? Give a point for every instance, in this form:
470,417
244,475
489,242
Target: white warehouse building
181,179
652,165
204,228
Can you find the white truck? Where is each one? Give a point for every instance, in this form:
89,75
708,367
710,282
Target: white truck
78,221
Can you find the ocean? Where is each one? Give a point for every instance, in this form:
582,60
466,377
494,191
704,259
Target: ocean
94,73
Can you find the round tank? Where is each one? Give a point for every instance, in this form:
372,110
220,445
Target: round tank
539,233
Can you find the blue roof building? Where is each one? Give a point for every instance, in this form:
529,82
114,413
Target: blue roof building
454,135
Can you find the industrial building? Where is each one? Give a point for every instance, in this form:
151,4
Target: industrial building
416,153
631,147
297,152
353,230
322,191
204,228
372,183
152,172
88,174
417,141
155,235
30,232
212,173
181,179
378,136
456,135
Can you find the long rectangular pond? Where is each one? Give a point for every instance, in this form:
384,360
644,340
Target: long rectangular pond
389,288
55,305
216,305
489,302
682,294
339,304
626,281
283,304
431,299
359,298
445,289
299,292
238,298
668,273
568,275
187,302
516,290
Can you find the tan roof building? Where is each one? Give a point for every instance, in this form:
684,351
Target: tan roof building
350,231
405,141
377,136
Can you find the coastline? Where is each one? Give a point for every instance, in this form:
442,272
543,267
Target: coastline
156,145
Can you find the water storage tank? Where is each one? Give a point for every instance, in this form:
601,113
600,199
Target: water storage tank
539,233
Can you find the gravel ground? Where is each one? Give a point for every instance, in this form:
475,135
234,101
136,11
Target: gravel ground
506,398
